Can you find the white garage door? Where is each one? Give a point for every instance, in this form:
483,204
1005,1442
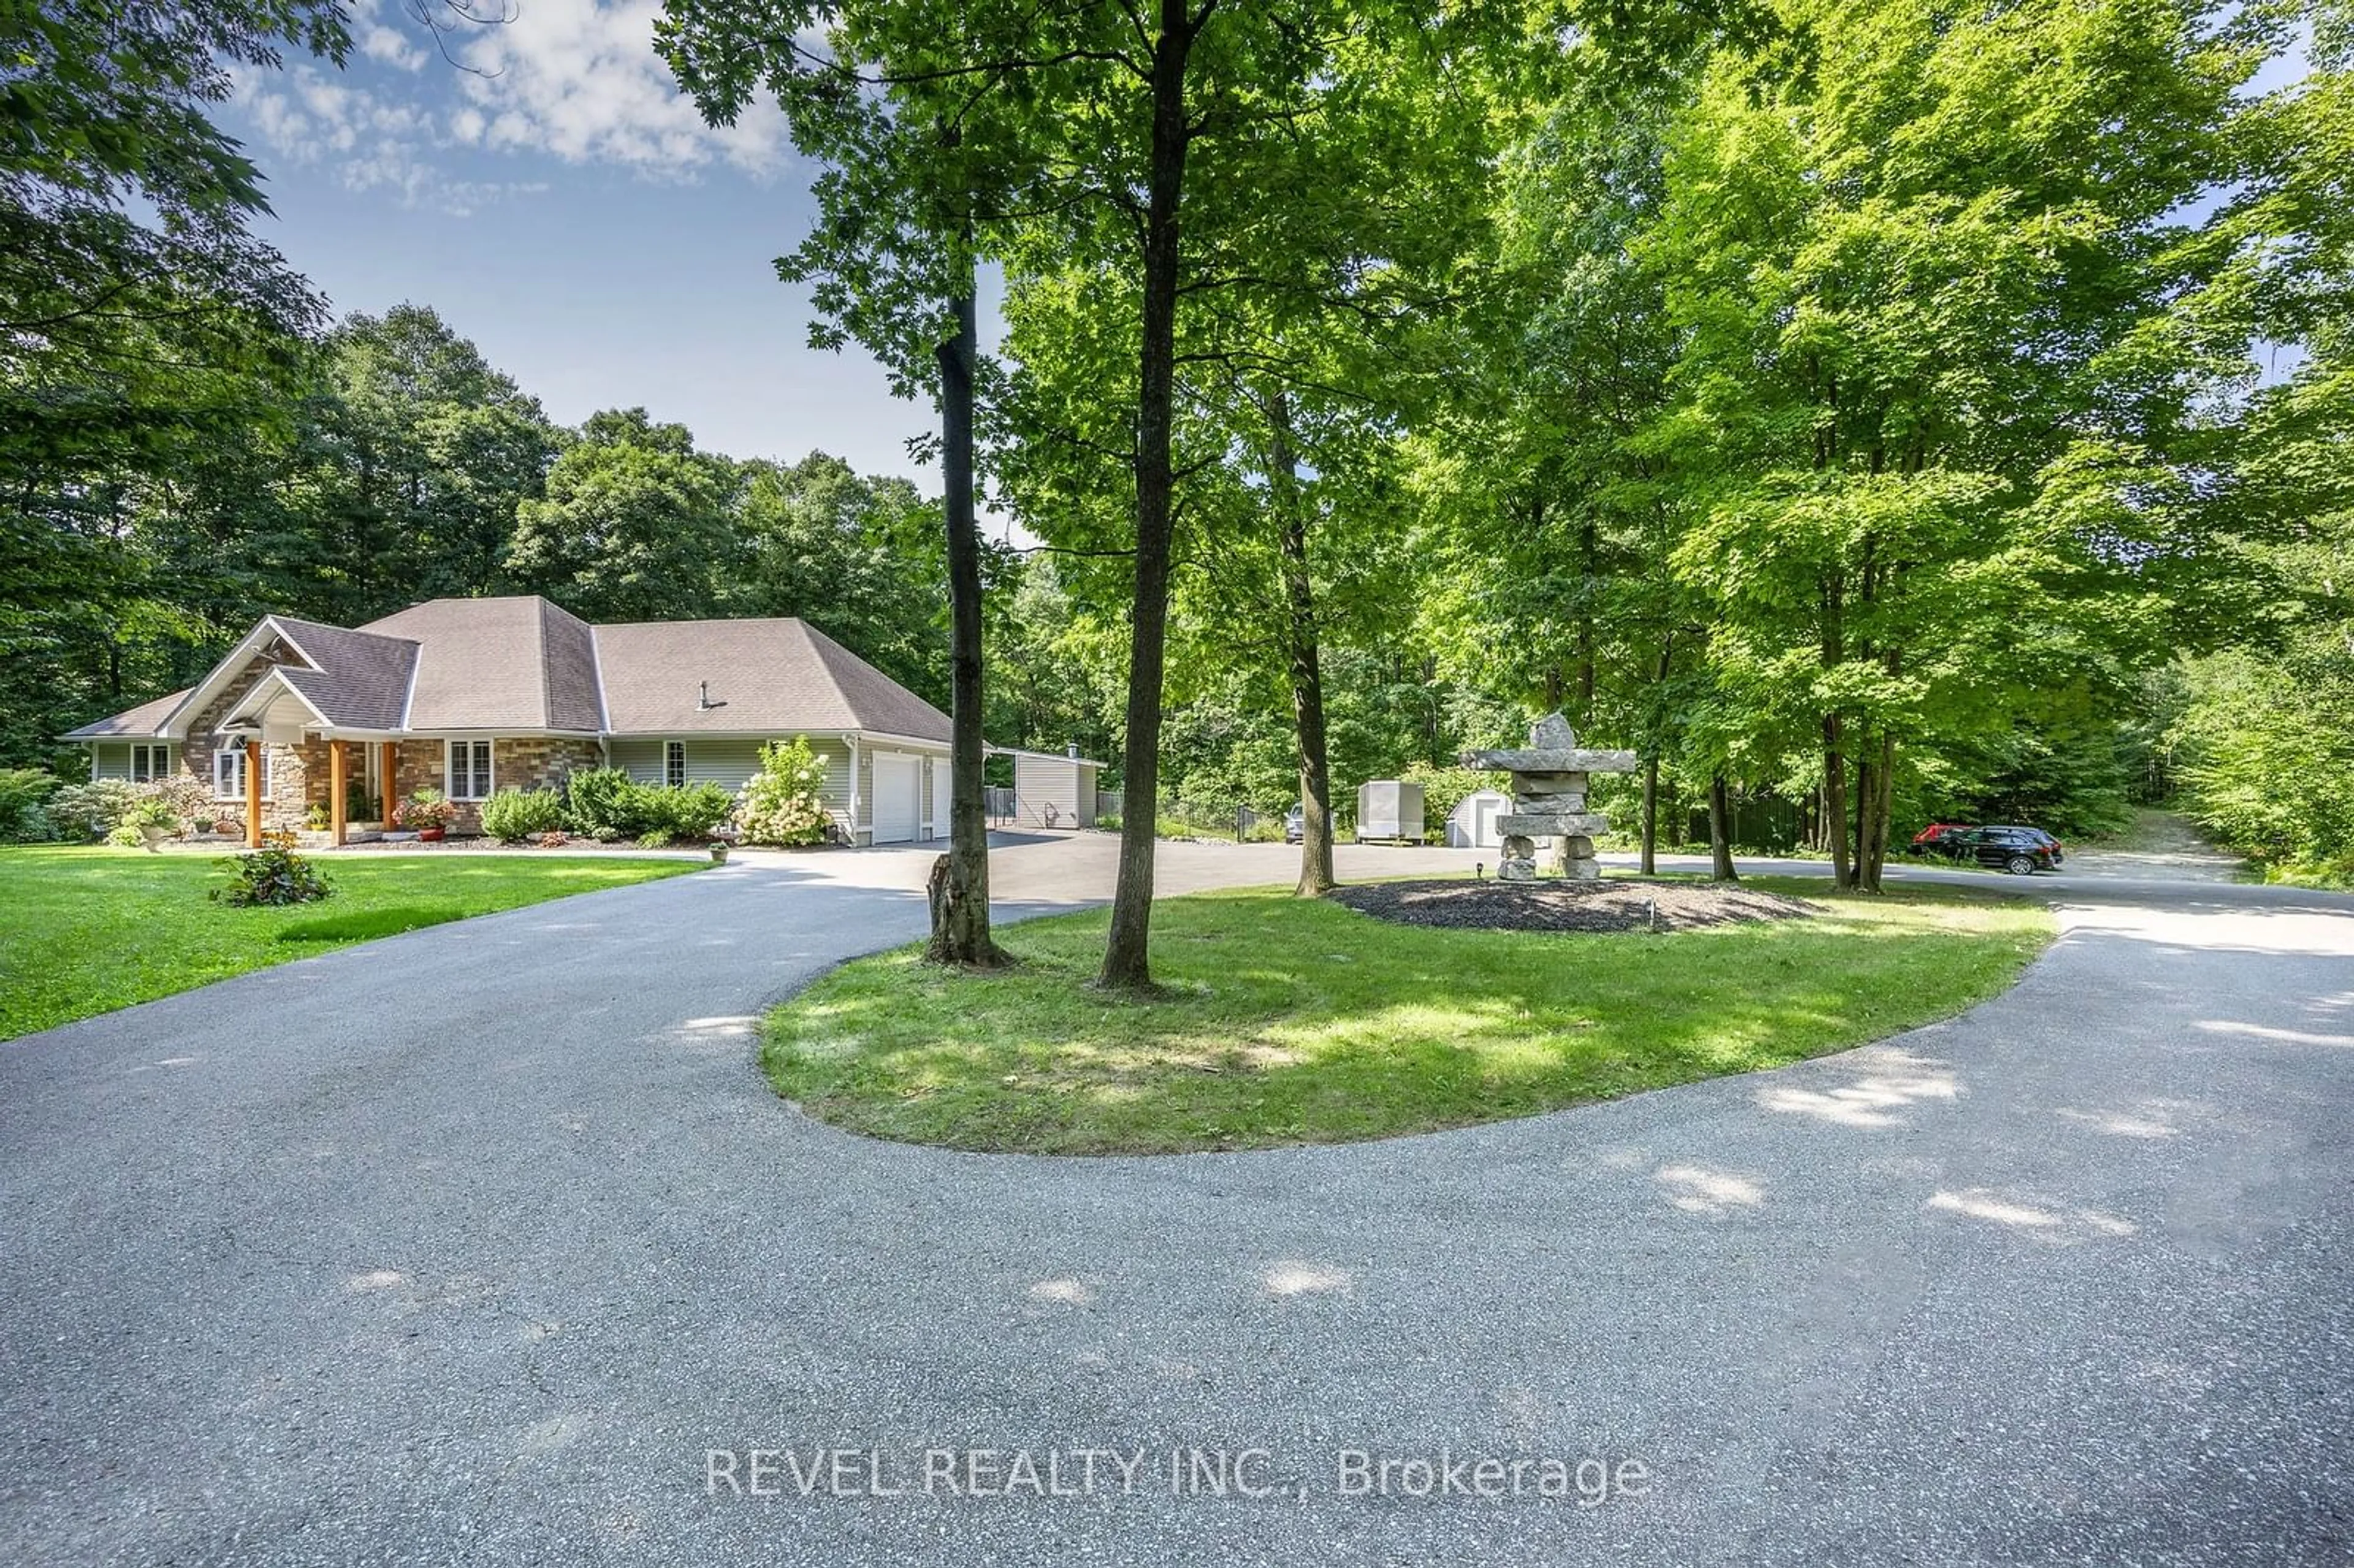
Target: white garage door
939,796
894,797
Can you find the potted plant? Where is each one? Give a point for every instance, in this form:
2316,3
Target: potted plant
145,826
428,812
719,852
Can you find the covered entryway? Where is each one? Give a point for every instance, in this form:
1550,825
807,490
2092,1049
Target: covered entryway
897,805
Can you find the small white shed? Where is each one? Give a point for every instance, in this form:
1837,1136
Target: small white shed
1472,823
1389,809
1054,792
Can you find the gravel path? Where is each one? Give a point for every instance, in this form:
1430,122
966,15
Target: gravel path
469,1247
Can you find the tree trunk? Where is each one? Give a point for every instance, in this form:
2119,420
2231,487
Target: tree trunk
1127,963
1867,796
1720,832
1835,799
1316,878
1872,854
1650,866
1588,549
1834,738
961,932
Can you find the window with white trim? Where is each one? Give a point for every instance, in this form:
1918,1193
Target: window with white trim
228,773
674,764
468,770
150,762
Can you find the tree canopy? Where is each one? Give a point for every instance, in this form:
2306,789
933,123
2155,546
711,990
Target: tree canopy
1868,412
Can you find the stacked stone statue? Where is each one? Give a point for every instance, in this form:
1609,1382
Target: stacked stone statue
1549,801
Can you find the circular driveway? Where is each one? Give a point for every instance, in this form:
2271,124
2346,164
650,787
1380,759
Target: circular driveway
489,1245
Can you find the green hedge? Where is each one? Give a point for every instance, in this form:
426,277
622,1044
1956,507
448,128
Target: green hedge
607,803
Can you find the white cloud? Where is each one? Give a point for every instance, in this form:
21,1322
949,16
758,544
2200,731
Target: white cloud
390,45
310,116
574,80
579,79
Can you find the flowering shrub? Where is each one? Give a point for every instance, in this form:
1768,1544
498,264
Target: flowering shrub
784,803
424,810
91,811
271,874
188,796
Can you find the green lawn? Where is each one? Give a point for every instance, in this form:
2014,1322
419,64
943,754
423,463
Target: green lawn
1299,1022
88,930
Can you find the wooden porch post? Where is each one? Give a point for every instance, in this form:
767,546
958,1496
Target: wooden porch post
253,794
390,790
338,773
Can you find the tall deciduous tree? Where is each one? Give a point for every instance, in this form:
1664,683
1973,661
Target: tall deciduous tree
1236,157
911,115
2263,741
1930,376
418,455
859,557
636,525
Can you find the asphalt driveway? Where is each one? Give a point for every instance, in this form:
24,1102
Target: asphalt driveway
474,1246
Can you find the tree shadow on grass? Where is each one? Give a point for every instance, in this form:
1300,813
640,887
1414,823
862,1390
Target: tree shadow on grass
1287,1022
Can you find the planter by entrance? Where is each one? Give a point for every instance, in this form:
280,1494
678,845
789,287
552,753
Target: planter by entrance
153,838
719,854
431,835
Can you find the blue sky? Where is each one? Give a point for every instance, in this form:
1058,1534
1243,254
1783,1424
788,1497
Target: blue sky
568,211
553,195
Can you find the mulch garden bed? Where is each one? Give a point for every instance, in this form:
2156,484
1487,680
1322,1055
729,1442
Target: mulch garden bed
1559,905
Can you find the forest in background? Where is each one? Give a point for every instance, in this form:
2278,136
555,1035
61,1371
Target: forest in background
1944,410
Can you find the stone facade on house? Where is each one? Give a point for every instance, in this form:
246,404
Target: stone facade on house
542,761
290,767
517,762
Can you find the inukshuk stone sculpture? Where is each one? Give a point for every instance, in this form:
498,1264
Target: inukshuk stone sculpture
1549,801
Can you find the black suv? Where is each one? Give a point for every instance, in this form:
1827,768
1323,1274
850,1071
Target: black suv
2021,851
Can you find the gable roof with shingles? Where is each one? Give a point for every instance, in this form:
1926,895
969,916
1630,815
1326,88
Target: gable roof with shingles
510,663
137,722
520,665
361,678
766,677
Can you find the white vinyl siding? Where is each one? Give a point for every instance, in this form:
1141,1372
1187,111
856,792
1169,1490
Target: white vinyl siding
728,761
228,773
468,771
